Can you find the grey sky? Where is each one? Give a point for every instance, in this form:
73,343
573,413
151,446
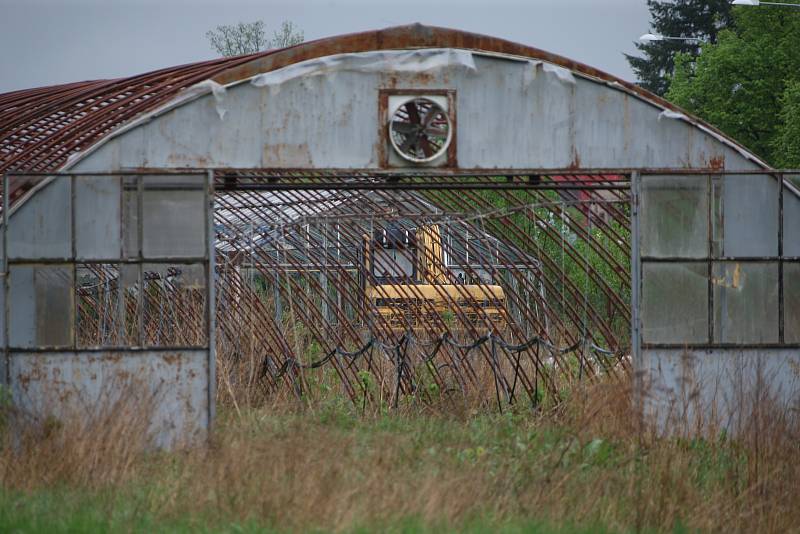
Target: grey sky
57,41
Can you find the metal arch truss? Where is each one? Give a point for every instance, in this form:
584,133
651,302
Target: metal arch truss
500,285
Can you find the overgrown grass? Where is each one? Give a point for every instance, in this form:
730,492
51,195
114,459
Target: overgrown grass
583,466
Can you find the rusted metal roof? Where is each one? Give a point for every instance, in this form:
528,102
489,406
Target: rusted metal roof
41,128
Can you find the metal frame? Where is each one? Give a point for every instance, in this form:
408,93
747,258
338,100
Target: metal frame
206,261
712,258
307,186
451,161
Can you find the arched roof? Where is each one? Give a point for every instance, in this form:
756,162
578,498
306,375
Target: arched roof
41,128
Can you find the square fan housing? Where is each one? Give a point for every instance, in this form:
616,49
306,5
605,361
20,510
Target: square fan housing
391,101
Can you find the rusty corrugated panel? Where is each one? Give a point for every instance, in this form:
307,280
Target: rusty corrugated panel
41,128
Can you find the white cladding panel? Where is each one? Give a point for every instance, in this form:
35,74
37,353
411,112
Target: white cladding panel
170,389
325,114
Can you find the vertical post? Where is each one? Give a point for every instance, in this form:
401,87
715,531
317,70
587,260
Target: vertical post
636,279
781,304
583,357
122,337
399,376
495,372
710,192
339,277
74,254
277,277
324,227
211,306
140,255
6,374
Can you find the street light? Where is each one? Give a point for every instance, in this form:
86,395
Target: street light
758,3
651,37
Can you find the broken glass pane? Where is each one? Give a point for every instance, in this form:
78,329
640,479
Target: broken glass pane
97,295
174,305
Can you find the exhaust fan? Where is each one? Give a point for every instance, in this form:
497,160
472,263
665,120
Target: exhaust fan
420,130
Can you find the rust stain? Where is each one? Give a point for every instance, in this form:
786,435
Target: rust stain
734,281
576,160
287,154
717,162
423,78
171,359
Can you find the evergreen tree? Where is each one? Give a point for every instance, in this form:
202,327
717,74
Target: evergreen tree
700,19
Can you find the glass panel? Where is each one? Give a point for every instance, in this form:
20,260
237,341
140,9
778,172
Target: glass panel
749,212
41,306
791,302
745,302
675,216
174,223
97,217
174,311
791,218
40,228
675,302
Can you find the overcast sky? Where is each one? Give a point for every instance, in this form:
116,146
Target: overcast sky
47,42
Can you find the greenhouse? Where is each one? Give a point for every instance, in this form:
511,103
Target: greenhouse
414,213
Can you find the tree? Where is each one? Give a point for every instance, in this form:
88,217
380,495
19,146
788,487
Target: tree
287,35
250,37
238,39
700,19
747,83
787,142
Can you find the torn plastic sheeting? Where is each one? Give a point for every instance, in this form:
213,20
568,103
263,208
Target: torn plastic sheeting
379,61
199,89
669,114
217,90
190,93
564,75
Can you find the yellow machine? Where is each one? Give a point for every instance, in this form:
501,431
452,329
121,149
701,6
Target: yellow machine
410,284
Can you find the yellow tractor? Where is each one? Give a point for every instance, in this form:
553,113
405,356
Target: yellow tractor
407,282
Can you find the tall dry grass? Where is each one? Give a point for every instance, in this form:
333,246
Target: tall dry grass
588,460
93,447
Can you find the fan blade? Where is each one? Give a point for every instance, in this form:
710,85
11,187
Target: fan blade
413,112
410,140
403,127
430,115
426,146
435,132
